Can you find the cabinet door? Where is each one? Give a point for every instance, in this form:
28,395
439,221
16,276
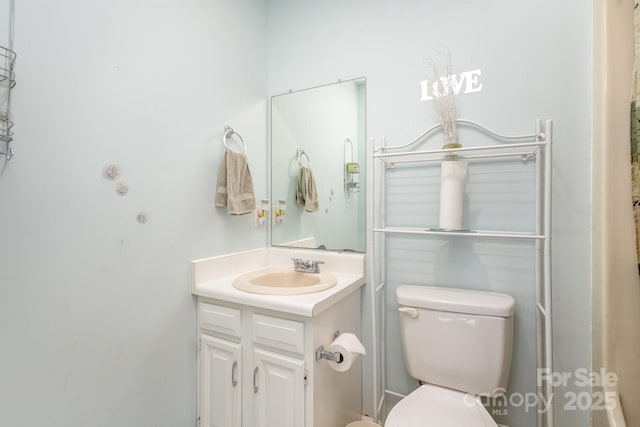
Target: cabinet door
278,387
220,394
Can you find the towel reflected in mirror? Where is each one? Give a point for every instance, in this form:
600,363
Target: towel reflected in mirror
306,192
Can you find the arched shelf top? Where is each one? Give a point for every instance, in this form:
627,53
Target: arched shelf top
467,123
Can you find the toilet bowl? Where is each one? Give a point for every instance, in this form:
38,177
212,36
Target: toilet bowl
433,406
458,344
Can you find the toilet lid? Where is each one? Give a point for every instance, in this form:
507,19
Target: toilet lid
432,406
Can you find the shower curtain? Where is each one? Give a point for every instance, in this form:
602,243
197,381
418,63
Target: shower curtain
616,282
635,130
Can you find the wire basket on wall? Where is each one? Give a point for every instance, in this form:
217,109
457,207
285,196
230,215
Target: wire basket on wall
7,82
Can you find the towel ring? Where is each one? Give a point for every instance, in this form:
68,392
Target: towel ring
301,153
228,131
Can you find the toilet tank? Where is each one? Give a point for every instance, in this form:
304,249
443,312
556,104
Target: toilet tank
457,338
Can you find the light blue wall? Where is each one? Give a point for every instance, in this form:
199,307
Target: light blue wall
535,59
97,322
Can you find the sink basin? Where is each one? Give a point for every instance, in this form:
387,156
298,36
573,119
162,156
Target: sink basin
283,281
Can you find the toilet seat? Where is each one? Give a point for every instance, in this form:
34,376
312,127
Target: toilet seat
433,406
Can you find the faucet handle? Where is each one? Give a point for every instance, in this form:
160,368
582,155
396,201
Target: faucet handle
306,266
313,267
299,264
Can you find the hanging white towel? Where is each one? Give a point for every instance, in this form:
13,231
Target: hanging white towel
235,185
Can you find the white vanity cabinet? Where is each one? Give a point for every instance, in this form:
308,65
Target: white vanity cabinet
278,377
252,368
257,367
278,386
219,366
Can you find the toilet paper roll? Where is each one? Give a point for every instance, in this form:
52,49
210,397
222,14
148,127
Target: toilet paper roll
452,177
350,347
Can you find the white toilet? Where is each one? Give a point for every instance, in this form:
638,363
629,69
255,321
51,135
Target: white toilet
458,344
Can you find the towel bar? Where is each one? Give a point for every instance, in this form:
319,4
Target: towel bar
228,131
301,153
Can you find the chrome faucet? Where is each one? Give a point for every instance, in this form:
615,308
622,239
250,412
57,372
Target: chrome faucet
308,266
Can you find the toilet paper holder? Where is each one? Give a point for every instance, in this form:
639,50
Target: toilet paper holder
321,353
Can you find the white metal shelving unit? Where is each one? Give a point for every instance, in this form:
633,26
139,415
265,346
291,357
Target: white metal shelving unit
536,147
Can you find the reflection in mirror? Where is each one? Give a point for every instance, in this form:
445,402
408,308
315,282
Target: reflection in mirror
317,167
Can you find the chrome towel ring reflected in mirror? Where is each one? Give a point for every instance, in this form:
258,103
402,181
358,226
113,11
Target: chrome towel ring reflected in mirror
301,153
228,132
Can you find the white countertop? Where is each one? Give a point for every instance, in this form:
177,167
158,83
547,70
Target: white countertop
213,278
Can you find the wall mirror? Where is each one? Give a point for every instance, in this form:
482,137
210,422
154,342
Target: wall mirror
317,167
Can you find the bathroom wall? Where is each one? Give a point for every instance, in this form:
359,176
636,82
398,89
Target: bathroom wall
97,323
535,62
